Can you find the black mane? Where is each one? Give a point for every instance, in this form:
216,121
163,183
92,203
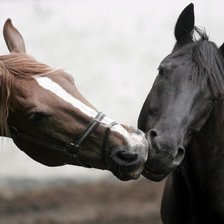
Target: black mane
205,60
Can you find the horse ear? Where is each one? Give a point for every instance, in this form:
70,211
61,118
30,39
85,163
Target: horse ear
185,24
13,38
221,49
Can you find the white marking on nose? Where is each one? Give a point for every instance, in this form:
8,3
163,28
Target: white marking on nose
55,88
133,139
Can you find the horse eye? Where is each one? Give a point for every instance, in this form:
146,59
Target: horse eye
153,112
165,67
161,71
37,117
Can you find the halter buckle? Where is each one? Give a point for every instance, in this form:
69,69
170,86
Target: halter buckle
73,149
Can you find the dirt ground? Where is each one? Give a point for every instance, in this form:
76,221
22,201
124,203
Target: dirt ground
135,202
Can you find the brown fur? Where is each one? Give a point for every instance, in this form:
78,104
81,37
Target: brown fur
15,65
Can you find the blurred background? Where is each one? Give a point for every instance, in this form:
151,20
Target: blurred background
113,49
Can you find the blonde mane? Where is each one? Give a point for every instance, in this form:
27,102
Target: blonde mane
12,66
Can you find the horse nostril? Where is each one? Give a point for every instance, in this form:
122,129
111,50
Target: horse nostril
153,133
127,156
179,157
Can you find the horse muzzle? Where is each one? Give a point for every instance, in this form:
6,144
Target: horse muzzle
127,162
164,156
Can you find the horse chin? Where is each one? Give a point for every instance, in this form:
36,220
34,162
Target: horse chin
153,175
125,176
125,173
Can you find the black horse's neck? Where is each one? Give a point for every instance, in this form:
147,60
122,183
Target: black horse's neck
200,180
207,146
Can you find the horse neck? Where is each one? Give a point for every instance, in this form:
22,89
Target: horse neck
205,154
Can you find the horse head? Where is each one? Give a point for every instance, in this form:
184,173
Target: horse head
189,82
53,123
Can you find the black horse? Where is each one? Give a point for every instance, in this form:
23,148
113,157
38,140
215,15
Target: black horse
183,117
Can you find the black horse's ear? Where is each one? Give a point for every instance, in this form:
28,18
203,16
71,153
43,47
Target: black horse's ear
221,49
185,24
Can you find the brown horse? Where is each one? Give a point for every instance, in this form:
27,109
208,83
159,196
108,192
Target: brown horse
48,118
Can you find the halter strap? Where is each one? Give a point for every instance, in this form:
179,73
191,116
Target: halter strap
105,142
71,149
75,146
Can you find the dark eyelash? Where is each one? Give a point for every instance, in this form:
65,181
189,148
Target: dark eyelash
153,111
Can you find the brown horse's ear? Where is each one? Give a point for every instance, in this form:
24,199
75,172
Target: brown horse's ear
13,38
185,24
221,49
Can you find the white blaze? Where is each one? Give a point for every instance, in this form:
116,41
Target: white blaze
45,82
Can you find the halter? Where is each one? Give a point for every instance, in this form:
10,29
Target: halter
71,149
